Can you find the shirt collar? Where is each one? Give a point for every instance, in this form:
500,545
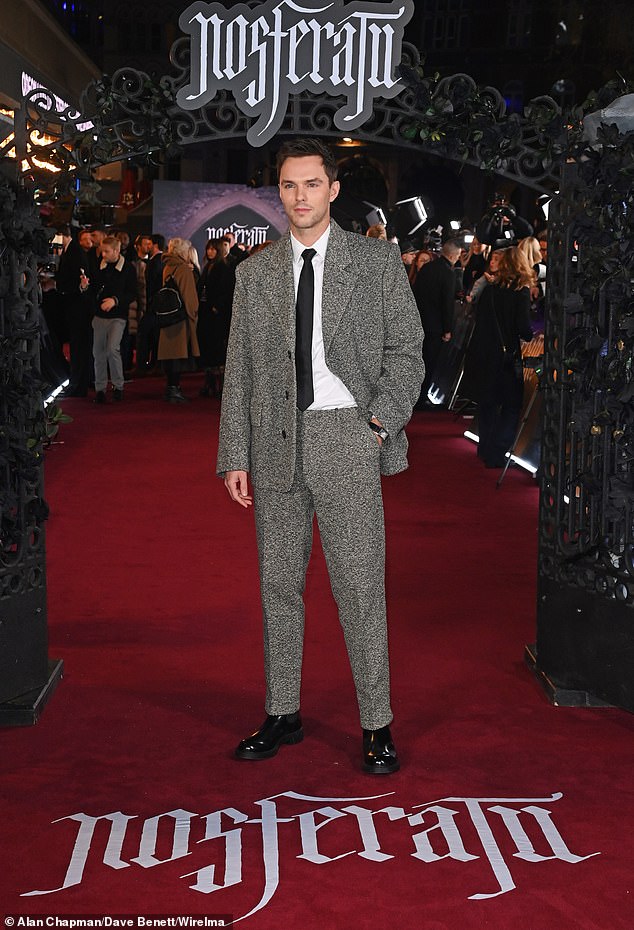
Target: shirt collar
319,246
118,264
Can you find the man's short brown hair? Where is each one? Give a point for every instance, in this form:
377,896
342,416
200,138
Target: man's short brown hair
113,242
300,148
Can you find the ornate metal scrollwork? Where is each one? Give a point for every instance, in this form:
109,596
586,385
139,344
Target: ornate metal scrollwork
587,501
132,114
22,509
587,470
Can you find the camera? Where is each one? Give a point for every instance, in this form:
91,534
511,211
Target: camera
501,226
504,211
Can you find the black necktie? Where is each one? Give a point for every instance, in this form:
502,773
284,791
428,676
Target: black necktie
304,331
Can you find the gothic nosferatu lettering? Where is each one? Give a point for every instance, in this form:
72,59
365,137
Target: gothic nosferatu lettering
263,55
246,235
457,828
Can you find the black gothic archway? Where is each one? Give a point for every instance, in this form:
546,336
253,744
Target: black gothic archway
132,114
587,474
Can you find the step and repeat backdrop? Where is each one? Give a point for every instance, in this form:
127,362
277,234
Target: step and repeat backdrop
199,212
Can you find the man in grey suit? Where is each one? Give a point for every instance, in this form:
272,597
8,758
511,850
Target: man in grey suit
323,368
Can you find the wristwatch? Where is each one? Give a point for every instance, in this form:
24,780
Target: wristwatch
379,430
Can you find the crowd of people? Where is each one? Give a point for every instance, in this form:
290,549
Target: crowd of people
106,287
101,299
499,271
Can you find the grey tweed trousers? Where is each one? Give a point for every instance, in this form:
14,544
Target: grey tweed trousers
337,477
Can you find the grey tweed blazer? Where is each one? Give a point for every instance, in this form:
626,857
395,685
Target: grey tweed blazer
372,340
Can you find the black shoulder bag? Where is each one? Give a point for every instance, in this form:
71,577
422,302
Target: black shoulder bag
168,306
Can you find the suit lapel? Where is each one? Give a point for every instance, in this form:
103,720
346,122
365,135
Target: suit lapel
339,282
283,290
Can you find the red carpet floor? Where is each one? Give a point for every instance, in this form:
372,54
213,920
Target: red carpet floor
125,798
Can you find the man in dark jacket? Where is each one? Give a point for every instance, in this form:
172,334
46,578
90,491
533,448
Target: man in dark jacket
114,289
77,259
435,293
147,333
154,269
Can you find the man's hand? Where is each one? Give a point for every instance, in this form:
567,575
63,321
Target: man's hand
378,423
107,304
236,485
446,337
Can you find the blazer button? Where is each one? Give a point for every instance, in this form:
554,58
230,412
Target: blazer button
283,434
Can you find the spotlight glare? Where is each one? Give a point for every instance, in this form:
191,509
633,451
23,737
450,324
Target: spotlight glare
416,205
468,434
58,390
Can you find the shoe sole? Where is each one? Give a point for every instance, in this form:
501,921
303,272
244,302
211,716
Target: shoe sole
252,756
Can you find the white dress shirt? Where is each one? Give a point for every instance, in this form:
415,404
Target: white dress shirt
329,391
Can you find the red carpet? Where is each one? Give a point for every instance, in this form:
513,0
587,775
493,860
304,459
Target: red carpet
154,610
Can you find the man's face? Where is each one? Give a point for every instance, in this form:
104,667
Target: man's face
85,240
543,248
408,258
110,253
146,245
97,237
306,195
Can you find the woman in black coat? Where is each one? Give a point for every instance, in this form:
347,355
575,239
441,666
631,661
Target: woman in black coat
493,367
205,322
215,291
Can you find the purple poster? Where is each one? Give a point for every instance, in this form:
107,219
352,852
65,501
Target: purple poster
197,211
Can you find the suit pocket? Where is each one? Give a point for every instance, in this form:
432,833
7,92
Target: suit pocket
369,436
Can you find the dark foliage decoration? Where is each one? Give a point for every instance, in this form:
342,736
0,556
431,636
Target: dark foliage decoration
24,425
456,118
587,507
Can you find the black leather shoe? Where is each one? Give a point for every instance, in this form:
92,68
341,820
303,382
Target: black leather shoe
379,752
264,743
174,395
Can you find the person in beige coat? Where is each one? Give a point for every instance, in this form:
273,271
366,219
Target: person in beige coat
324,365
178,344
